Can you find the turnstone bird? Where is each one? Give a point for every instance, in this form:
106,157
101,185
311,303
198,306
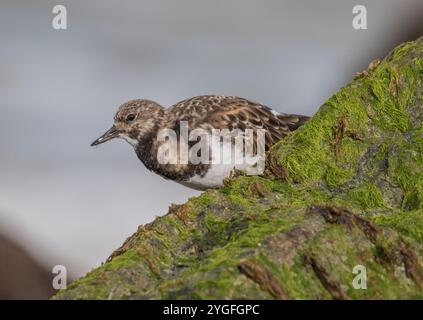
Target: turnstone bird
141,123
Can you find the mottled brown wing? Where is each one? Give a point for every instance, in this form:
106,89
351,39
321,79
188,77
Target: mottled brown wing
228,112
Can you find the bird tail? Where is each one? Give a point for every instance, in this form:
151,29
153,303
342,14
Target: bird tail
293,121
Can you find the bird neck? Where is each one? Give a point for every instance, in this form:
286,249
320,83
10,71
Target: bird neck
145,149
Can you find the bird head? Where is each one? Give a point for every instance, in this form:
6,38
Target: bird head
133,121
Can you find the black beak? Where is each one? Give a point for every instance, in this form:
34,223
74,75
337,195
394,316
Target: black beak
110,134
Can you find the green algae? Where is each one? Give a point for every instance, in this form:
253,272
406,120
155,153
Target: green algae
367,196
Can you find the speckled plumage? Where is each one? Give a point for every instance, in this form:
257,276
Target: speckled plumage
205,112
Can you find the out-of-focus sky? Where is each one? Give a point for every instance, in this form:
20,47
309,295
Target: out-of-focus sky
71,204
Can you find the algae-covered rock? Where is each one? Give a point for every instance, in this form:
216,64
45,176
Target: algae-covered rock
343,193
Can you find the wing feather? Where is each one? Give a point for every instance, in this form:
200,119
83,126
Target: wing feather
229,112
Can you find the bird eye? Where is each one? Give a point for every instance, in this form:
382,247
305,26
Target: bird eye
130,117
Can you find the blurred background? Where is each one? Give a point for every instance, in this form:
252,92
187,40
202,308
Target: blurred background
63,202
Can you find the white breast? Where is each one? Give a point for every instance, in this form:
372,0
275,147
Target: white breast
219,170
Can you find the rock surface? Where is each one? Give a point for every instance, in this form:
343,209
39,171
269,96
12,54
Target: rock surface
345,190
